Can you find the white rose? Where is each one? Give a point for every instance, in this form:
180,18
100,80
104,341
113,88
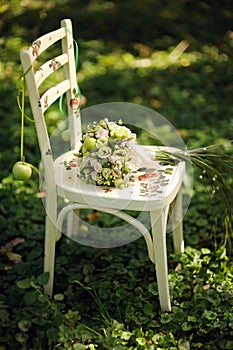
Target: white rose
102,134
94,175
104,152
98,167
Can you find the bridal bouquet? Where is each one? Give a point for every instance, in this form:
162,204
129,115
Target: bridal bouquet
106,156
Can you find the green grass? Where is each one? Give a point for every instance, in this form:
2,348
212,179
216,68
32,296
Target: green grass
108,298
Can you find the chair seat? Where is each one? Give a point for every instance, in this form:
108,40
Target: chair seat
148,189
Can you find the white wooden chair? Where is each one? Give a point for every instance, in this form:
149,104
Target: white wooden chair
79,195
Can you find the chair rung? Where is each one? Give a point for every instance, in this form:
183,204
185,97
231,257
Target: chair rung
49,67
52,94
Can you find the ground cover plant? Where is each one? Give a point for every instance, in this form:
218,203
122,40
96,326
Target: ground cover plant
107,298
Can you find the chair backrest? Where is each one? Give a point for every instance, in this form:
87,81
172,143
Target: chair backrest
34,76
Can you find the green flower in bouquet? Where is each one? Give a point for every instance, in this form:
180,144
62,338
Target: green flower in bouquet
106,156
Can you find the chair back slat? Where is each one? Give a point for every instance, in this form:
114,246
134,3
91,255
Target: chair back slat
52,94
49,67
44,42
34,97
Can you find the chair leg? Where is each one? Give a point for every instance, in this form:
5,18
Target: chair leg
177,223
159,224
73,223
49,258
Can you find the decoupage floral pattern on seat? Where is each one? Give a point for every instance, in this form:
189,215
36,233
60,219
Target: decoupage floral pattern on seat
144,182
153,183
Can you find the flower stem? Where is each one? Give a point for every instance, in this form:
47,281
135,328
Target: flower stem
22,122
